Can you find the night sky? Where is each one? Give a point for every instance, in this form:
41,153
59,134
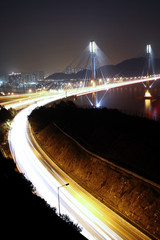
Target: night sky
48,35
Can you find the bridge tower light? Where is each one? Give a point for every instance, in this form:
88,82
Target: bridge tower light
149,56
92,47
148,48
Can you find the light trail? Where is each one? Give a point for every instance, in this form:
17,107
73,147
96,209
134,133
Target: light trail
46,179
25,100
98,221
88,90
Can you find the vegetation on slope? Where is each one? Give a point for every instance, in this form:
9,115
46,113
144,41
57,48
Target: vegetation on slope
6,116
104,130
23,213
131,142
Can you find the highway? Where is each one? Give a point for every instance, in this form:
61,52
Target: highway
98,221
115,84
20,101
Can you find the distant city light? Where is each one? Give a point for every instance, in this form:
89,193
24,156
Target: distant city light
14,73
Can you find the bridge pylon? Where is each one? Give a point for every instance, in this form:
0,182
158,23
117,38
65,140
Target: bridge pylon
92,47
149,52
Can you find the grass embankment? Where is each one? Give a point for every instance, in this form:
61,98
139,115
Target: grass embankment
23,213
123,139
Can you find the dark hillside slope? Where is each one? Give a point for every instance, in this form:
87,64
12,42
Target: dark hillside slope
131,142
24,214
128,68
110,133
131,197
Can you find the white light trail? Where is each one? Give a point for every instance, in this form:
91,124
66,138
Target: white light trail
98,221
88,90
31,163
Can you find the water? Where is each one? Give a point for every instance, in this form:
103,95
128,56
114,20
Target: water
128,99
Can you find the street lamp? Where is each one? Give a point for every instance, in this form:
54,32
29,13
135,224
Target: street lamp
59,198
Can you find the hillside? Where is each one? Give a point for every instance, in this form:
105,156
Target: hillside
128,68
23,213
128,141
130,196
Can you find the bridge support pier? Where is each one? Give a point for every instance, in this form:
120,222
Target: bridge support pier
94,99
147,94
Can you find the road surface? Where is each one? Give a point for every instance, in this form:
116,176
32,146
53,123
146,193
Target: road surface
98,221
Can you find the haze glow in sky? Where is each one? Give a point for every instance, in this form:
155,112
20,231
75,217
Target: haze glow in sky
48,34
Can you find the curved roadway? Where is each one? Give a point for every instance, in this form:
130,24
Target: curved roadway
98,221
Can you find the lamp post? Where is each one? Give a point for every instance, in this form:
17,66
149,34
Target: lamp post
59,198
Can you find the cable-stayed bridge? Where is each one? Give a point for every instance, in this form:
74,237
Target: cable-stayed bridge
98,221
94,79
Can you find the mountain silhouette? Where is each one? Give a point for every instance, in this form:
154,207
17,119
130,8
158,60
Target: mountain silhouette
128,68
